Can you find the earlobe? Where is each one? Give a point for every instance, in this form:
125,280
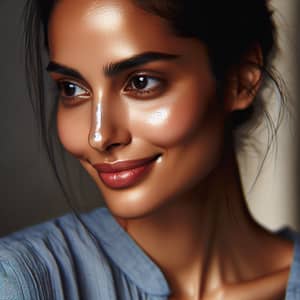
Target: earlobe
244,81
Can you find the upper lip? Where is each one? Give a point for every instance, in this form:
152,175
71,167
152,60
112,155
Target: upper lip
123,165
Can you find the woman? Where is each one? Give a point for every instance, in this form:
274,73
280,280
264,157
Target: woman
150,93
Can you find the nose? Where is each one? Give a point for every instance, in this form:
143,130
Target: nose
107,128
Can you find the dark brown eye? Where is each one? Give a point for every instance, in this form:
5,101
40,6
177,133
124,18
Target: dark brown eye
139,82
69,89
71,92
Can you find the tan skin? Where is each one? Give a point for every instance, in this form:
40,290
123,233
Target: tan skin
188,213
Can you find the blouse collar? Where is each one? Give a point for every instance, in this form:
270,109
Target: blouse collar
138,267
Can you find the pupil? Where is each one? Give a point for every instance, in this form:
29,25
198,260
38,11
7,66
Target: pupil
140,82
69,89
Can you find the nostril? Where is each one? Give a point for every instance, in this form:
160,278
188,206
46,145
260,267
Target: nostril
112,146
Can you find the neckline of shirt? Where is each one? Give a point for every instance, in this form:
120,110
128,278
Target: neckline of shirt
140,269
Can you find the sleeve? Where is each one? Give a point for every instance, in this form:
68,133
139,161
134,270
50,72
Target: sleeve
21,273
9,287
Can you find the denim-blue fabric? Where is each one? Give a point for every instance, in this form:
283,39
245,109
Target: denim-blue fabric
91,259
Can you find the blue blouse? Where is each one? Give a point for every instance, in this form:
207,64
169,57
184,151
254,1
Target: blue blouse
62,260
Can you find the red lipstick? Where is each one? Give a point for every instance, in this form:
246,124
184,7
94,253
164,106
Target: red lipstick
124,174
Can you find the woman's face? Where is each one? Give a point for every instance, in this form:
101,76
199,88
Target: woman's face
137,104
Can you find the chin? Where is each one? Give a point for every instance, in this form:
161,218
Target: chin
147,198
133,203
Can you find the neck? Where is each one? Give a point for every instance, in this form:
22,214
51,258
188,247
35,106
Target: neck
191,239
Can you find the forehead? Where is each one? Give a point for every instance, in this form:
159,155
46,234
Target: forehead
102,12
104,23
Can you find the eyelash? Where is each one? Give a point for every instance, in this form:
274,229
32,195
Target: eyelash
129,89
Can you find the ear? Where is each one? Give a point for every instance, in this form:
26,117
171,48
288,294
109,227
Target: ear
243,81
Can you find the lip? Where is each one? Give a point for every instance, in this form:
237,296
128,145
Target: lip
124,174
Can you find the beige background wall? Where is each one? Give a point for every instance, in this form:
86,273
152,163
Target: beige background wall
273,200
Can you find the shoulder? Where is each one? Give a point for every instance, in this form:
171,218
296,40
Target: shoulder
20,262
36,262
8,286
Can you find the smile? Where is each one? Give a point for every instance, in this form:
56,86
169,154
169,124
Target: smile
124,174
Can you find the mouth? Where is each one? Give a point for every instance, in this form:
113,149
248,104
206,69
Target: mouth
125,174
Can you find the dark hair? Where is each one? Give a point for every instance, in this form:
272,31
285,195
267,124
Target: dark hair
229,29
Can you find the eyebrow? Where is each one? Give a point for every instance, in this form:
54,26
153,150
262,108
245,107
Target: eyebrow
113,69
61,69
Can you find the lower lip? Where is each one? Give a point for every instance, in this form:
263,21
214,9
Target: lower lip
126,178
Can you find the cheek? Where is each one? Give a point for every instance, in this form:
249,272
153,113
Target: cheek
182,115
73,129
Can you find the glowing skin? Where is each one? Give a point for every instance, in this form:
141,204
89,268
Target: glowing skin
95,133
181,119
160,101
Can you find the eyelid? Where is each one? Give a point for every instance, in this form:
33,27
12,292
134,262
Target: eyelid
145,72
73,81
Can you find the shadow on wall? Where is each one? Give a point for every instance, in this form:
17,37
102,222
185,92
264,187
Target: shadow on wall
29,191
